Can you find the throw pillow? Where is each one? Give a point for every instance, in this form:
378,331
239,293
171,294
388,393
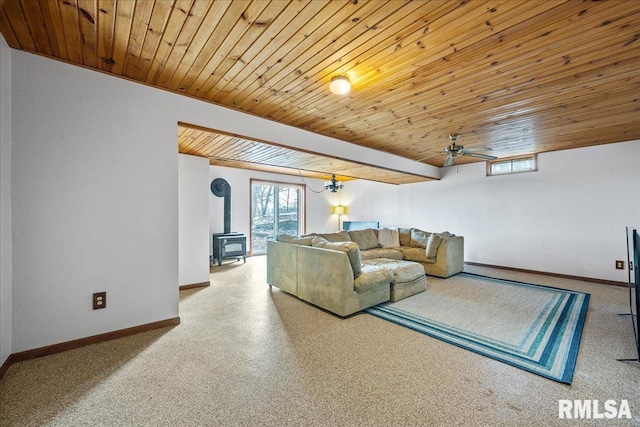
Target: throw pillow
432,245
366,239
389,237
340,236
405,236
351,248
419,238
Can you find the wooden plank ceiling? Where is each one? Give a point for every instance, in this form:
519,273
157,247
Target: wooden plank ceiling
514,76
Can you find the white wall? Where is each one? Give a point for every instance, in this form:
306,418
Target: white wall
193,214
373,201
95,203
5,201
317,216
569,217
95,196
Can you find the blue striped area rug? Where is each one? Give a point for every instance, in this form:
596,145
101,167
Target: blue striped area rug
532,327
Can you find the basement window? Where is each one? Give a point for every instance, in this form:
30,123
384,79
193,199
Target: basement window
518,164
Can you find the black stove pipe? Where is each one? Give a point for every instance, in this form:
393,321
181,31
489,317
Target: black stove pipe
221,188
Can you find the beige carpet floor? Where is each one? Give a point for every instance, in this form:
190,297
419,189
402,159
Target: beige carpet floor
249,355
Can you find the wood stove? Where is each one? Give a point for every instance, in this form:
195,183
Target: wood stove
231,245
227,244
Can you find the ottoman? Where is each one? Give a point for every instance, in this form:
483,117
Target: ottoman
408,277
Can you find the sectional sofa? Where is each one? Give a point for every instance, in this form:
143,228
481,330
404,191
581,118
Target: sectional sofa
440,254
346,272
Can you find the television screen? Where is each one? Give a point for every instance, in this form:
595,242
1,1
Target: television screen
359,225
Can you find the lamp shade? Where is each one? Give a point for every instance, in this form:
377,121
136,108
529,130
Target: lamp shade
339,210
340,85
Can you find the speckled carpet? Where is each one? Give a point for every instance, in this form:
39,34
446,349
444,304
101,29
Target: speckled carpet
246,354
532,327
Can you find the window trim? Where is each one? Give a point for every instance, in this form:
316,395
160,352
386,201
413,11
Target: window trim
533,157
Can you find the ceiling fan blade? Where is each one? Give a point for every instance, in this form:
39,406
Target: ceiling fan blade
479,156
474,150
450,160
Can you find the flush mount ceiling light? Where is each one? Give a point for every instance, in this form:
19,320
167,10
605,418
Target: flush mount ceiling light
340,85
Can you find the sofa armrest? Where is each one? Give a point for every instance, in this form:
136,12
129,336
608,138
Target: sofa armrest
282,266
450,256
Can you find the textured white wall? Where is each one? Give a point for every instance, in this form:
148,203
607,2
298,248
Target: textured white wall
193,214
5,201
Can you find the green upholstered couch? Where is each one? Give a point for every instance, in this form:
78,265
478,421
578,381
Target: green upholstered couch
327,269
441,254
325,277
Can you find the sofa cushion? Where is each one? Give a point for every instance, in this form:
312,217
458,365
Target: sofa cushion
404,234
419,238
298,240
432,245
366,239
351,248
417,254
389,253
388,237
403,271
340,236
371,278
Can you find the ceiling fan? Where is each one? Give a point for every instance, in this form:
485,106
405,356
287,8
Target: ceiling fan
454,150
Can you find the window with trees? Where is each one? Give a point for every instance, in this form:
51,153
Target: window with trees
276,208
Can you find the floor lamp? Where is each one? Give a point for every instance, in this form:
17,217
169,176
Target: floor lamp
339,210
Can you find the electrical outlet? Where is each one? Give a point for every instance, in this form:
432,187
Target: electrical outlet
619,265
99,300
